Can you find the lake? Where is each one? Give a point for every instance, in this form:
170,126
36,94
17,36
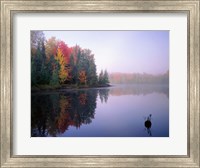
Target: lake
116,111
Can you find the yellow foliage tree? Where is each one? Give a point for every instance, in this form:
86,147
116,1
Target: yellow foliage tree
64,117
63,73
51,47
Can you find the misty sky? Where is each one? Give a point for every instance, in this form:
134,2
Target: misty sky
122,51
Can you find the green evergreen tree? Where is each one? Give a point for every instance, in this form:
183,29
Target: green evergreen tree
100,81
55,74
33,72
105,78
39,71
73,70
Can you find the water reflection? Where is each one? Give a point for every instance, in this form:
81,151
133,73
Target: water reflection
144,89
52,114
62,113
103,95
148,124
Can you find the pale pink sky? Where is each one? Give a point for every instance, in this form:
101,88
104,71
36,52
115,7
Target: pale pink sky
122,51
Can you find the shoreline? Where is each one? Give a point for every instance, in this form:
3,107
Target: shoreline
64,87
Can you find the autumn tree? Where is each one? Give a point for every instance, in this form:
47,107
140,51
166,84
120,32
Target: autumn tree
51,47
53,62
66,51
63,74
82,77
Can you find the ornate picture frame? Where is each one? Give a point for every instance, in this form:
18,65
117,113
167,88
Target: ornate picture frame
10,8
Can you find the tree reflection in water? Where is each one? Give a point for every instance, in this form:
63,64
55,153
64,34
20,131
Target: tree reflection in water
53,113
103,95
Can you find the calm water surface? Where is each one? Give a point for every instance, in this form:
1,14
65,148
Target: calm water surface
117,111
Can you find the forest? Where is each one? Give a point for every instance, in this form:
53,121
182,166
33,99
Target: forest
56,65
53,114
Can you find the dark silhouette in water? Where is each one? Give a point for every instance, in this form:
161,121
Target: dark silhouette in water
53,114
148,124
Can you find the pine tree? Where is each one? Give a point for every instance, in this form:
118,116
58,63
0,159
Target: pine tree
101,78
105,78
74,75
55,74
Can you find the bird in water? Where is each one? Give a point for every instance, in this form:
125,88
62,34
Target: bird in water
148,124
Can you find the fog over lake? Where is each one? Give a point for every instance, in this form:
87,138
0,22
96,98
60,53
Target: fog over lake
121,110
100,83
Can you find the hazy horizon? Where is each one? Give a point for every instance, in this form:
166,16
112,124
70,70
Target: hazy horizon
122,51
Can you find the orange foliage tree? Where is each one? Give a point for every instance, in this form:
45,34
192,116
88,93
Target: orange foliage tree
82,77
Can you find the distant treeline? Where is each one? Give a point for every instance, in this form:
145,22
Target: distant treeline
138,78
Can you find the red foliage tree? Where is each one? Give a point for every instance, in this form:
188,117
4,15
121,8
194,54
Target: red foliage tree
65,50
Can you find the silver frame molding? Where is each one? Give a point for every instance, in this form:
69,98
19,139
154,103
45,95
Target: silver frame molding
10,7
